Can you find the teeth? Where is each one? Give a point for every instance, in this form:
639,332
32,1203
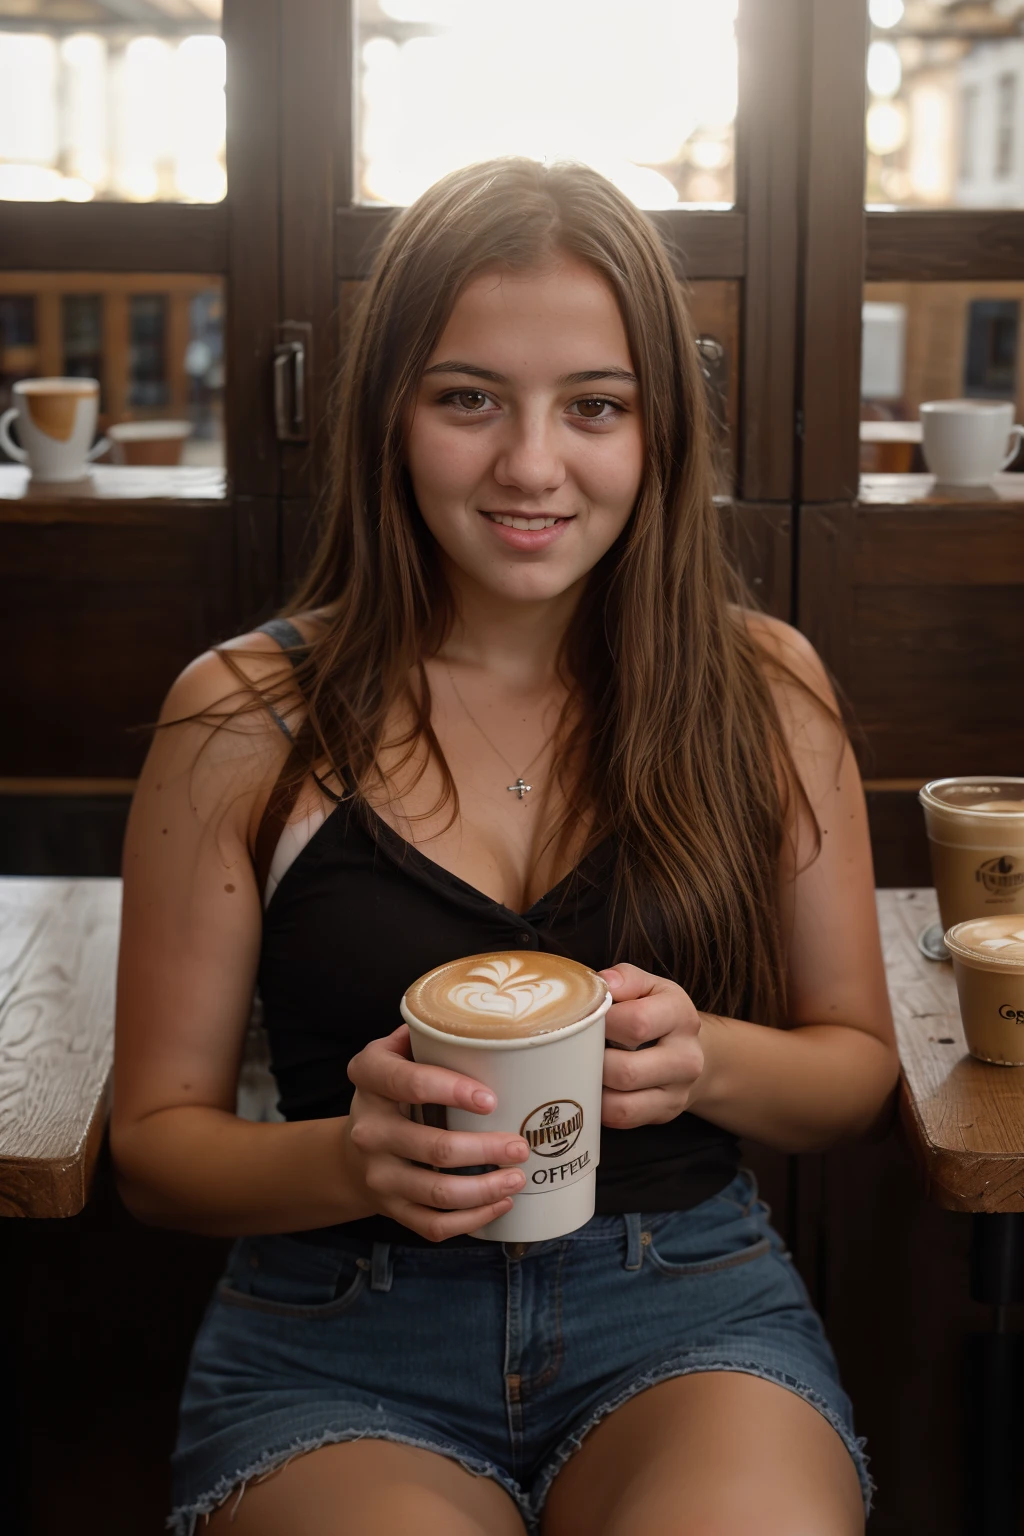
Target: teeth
529,524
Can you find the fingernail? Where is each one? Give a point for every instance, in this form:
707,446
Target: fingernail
483,1099
613,978
517,1151
514,1181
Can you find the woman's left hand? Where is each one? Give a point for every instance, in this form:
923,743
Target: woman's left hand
649,1087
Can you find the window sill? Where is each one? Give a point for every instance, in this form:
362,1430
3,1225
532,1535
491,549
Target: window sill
924,491
116,483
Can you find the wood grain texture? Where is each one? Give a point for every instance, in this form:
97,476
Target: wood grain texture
252,42
964,1118
58,955
131,592
917,611
759,538
768,161
313,76
899,843
920,245
833,277
115,237
64,787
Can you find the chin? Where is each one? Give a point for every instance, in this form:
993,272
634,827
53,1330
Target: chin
537,587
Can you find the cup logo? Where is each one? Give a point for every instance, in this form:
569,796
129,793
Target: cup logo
1011,1014
554,1128
1001,876
506,988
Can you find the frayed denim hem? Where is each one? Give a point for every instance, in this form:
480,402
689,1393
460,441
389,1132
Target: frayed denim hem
185,1519
855,1444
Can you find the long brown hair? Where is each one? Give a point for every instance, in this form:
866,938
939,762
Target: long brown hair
677,750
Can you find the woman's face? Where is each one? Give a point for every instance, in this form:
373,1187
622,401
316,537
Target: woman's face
525,443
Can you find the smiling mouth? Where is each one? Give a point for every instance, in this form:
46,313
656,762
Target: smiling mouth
526,524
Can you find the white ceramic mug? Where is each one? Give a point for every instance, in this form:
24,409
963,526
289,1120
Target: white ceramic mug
965,442
56,423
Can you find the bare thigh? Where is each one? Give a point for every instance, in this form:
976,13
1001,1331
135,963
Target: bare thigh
369,1488
712,1454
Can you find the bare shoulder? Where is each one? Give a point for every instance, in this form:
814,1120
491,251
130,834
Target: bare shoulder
238,673
220,735
805,701
790,661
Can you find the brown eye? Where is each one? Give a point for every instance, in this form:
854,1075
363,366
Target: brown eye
471,399
591,409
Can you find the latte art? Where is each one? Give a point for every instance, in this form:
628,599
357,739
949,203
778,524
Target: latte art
506,987
506,995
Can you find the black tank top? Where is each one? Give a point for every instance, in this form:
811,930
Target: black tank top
361,913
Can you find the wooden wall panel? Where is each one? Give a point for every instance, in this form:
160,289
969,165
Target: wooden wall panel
899,844
103,606
118,237
918,613
299,530
759,537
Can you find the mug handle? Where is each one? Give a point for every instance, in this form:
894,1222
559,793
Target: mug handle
1017,433
104,444
8,444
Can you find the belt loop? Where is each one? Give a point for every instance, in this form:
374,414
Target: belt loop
381,1268
634,1250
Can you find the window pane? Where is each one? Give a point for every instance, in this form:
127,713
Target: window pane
96,105
934,341
154,340
945,122
645,92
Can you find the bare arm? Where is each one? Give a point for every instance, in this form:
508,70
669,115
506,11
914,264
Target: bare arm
189,952
828,1076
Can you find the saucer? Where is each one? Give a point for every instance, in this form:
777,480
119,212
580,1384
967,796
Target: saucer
931,944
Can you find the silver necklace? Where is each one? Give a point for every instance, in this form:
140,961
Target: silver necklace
520,787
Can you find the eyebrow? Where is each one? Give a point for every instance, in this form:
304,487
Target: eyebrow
584,376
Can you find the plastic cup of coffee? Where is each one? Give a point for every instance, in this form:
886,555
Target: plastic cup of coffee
530,1027
976,838
988,964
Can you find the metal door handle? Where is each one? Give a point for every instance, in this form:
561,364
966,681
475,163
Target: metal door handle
291,366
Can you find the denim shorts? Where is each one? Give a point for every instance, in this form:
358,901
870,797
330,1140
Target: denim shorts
499,1356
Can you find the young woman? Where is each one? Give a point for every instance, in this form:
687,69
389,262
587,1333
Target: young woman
521,578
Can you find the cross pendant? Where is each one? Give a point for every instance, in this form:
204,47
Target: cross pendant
519,788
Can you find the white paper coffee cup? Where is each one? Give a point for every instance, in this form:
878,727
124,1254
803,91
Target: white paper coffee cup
548,1090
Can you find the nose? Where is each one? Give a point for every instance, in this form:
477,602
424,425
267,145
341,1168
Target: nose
528,459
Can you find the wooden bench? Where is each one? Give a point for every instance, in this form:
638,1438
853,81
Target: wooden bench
58,961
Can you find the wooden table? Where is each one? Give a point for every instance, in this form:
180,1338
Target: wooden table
58,956
965,1123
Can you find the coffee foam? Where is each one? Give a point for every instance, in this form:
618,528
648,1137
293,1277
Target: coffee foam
59,387
997,807
506,994
996,940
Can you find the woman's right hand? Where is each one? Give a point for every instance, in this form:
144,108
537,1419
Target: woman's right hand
383,1145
